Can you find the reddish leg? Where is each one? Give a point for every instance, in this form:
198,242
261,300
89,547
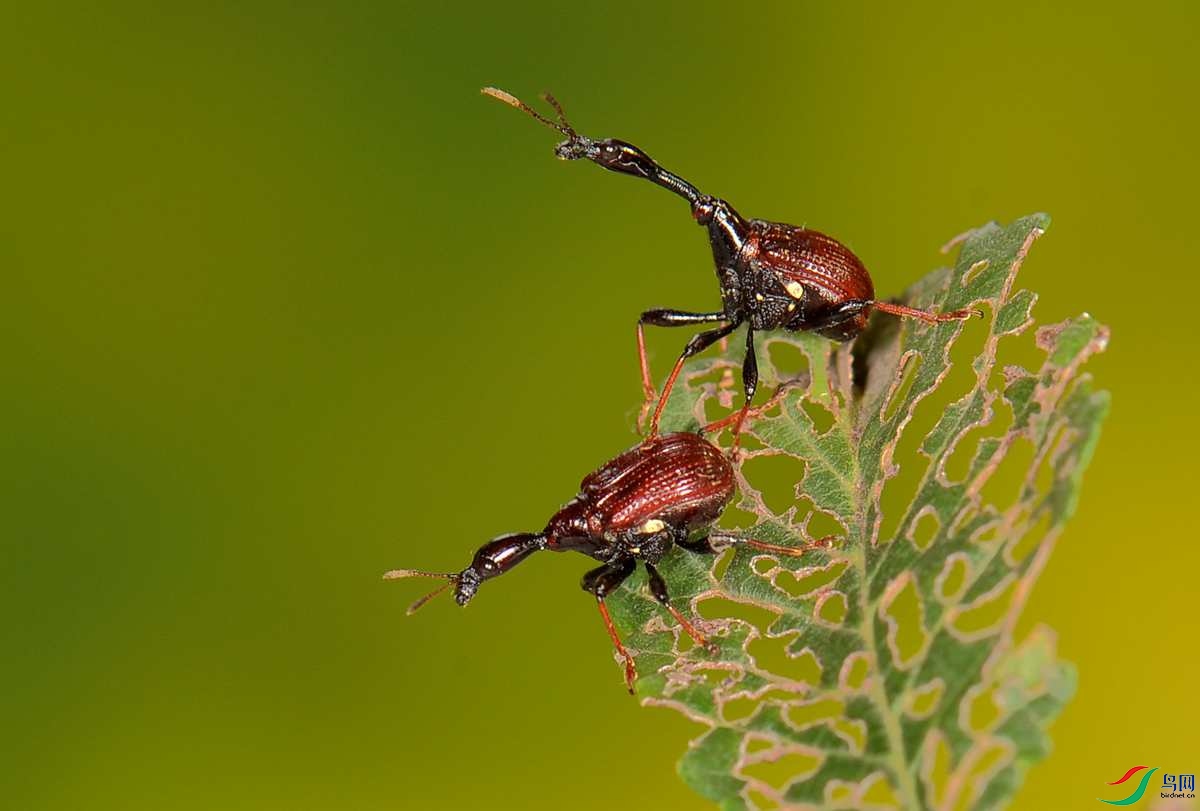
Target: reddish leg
658,587
737,416
662,398
600,582
924,315
648,391
698,343
777,549
630,668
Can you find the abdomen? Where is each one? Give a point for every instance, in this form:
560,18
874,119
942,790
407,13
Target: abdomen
681,479
825,273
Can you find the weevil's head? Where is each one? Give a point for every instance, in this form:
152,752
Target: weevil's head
492,559
466,583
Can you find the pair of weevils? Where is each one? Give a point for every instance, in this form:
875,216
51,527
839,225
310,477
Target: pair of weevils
669,489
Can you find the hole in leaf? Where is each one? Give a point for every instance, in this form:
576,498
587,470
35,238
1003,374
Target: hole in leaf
810,582
987,534
905,617
779,771
736,518
854,671
832,607
983,711
923,700
838,792
822,524
1024,546
1004,486
712,675
788,359
952,579
822,418
935,768
986,613
1047,470
763,566
755,744
722,564
925,528
739,709
770,654
804,713
988,760
853,731
968,447
760,801
775,477
712,608
879,792
909,365
749,442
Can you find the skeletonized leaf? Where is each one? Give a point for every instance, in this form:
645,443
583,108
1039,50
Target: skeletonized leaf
883,671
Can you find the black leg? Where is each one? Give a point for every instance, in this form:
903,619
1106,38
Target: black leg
678,318
600,582
846,311
750,384
658,587
663,318
750,368
698,344
603,579
700,546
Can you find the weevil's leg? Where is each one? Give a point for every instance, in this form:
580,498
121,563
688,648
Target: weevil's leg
658,587
749,383
729,419
698,344
699,546
775,549
924,315
600,582
846,311
662,318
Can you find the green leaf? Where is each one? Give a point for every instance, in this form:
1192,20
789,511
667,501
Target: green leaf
883,671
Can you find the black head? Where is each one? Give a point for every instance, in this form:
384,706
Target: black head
610,153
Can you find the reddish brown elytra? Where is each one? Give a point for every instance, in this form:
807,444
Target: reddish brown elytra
666,491
772,275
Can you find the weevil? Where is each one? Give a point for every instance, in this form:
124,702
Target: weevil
667,491
772,275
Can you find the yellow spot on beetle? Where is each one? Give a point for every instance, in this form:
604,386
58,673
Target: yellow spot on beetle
794,289
652,526
759,297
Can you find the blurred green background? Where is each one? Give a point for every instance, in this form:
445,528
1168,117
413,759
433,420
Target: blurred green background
286,303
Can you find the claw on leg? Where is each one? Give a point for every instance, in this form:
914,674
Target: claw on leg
630,667
697,637
924,315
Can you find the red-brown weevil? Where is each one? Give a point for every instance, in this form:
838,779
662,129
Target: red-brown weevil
772,275
666,491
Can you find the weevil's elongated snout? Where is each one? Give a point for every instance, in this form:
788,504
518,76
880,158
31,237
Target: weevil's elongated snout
617,156
495,558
